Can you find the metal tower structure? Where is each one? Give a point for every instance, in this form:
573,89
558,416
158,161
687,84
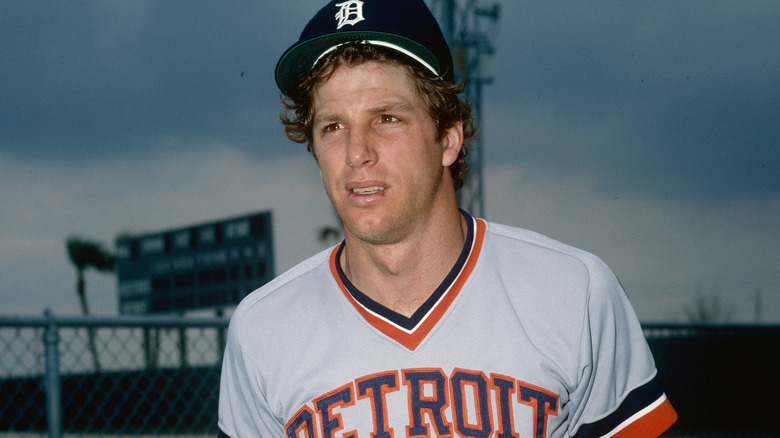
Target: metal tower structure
472,54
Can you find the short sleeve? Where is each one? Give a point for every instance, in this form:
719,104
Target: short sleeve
243,408
618,394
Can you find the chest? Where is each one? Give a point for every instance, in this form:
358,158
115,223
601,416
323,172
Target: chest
485,368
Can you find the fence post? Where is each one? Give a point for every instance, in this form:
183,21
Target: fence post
221,337
183,346
151,347
51,340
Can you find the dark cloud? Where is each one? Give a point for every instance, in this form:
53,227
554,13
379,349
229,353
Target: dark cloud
89,79
670,99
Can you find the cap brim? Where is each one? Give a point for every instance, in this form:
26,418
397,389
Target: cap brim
299,59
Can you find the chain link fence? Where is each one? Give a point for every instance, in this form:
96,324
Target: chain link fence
134,376
159,376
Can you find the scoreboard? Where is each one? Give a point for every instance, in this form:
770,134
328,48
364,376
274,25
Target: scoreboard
207,266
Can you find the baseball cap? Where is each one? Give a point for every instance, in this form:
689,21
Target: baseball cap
407,26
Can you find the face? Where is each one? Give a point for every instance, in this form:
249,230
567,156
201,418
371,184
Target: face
381,165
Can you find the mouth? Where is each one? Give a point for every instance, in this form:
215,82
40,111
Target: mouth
367,190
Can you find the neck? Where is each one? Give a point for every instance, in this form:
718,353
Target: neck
402,275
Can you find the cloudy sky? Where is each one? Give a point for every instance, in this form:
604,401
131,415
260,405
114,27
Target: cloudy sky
643,131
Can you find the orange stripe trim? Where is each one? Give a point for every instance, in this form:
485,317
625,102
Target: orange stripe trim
412,340
651,425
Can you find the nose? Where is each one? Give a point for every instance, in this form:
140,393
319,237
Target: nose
360,151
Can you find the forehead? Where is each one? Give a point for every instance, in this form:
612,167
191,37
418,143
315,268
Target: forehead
373,77
391,73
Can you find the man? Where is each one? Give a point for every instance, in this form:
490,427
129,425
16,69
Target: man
424,321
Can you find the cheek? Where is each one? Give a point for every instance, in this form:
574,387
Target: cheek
326,174
331,180
327,159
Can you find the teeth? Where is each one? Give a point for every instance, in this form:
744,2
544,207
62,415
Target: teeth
367,190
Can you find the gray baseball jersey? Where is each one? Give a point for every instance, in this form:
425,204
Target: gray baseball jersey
526,337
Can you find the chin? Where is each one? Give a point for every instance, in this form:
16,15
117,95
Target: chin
375,232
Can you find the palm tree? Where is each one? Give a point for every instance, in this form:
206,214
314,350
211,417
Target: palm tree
86,254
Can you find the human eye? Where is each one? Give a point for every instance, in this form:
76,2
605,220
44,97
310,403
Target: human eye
386,118
332,127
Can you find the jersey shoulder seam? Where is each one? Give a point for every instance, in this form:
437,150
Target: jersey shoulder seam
278,283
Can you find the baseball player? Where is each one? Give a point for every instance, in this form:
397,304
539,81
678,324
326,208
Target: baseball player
424,321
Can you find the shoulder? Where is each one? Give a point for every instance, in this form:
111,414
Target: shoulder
518,246
286,291
550,283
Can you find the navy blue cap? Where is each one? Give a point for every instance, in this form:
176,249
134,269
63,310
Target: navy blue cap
407,26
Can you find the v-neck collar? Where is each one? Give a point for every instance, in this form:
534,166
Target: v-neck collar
410,331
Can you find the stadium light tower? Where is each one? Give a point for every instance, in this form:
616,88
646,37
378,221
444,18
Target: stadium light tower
472,54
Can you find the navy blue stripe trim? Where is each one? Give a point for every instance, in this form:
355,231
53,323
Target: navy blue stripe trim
396,318
221,434
637,400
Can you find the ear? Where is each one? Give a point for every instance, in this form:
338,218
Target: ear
451,143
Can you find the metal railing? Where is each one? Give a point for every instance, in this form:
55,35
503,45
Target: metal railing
159,375
110,376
